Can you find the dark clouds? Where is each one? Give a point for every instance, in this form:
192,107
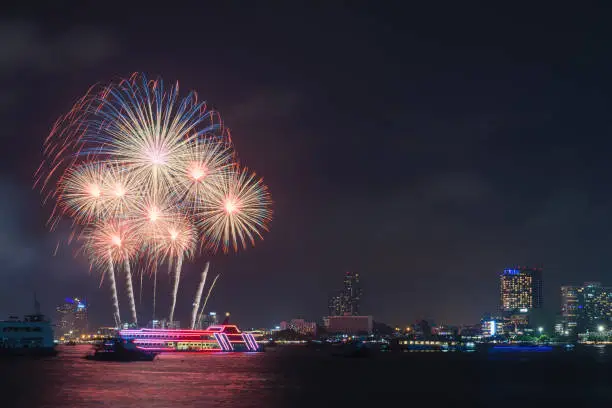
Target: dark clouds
26,45
426,150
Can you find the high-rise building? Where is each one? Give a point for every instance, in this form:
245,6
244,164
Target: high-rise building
72,317
521,289
584,308
336,305
352,287
347,301
594,305
569,309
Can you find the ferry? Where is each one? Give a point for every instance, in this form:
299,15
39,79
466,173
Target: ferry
218,338
31,336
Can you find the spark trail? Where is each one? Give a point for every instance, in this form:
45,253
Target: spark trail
207,296
198,296
113,283
130,290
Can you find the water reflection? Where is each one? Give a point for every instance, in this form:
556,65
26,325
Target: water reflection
307,378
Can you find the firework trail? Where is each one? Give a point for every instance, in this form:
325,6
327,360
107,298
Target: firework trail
207,296
113,283
177,241
154,289
146,175
177,278
107,244
198,296
130,290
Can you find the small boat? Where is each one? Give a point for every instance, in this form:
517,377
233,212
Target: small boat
118,349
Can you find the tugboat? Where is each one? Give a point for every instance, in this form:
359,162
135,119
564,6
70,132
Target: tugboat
32,336
118,349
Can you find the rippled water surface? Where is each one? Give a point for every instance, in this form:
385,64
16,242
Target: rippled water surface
292,378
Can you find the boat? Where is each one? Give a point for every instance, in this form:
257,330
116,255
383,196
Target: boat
216,338
32,336
118,349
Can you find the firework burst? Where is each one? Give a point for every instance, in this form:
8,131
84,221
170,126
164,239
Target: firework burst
108,244
206,165
81,193
238,212
146,175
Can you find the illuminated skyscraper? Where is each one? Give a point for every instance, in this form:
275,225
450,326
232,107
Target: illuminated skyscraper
72,317
569,309
521,289
347,301
81,321
594,305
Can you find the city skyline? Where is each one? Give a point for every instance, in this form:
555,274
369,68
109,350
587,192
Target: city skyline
516,284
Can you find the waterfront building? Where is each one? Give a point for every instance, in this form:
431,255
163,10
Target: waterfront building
521,289
471,331
492,326
423,329
348,324
445,331
348,300
516,321
569,310
584,308
72,318
594,306
300,326
106,332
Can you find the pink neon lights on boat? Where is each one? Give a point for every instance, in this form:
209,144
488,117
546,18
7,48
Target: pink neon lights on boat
214,338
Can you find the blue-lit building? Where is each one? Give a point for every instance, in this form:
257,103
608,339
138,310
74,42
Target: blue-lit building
520,293
72,317
520,289
491,326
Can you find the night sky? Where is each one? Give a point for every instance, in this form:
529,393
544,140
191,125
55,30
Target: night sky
425,149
